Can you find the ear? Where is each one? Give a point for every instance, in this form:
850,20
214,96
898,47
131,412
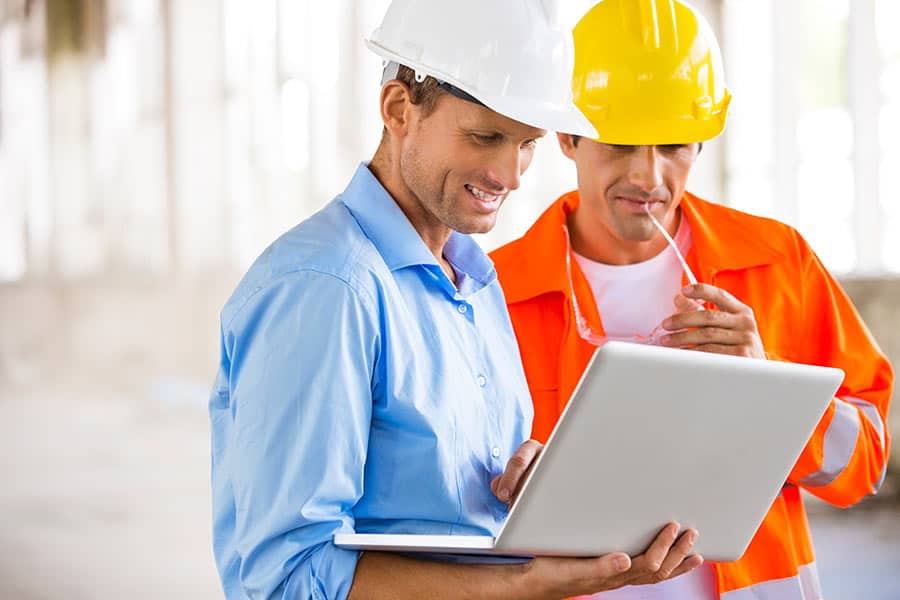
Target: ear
566,144
396,107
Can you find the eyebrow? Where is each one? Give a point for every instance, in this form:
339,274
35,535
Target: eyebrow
498,130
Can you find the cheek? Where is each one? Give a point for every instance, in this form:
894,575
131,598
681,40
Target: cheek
525,160
594,180
678,184
432,164
468,160
675,175
681,168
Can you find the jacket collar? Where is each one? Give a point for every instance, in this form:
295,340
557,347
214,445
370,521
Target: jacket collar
721,241
724,239
535,263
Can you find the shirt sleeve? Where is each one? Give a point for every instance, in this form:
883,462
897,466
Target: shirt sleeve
302,352
846,458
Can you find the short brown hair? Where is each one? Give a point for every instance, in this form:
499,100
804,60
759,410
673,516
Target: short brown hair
423,94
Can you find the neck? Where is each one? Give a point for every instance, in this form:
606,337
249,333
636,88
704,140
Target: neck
602,245
386,169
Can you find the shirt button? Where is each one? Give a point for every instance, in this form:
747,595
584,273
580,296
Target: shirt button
495,452
462,308
482,381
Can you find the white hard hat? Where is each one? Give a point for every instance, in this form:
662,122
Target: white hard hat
510,55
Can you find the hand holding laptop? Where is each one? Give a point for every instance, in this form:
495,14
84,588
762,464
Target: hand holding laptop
507,485
664,559
667,556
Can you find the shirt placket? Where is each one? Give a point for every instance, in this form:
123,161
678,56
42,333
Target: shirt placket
484,379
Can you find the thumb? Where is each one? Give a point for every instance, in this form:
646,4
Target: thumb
610,565
684,304
585,576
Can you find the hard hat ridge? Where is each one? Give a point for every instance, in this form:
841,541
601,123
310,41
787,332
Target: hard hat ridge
649,72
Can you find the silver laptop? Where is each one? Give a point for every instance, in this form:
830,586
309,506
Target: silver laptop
653,435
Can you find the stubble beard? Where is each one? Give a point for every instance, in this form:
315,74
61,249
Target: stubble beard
437,201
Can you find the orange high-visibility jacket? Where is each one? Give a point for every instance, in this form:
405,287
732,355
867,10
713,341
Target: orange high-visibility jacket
803,316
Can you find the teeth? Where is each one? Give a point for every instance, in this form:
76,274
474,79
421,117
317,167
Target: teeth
480,194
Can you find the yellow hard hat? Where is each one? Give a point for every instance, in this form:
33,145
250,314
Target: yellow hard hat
649,72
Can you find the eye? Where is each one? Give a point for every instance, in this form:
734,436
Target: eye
672,148
487,139
530,144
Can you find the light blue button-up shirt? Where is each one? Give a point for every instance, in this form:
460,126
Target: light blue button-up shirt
358,389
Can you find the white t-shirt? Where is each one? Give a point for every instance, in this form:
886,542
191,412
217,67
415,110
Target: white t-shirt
633,300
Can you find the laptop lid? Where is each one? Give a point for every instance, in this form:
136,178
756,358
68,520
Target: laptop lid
653,435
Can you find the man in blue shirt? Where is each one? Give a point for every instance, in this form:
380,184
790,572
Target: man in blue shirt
369,376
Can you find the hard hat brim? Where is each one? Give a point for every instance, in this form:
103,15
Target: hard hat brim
660,133
552,117
633,130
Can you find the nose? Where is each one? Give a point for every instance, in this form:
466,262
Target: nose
645,169
507,168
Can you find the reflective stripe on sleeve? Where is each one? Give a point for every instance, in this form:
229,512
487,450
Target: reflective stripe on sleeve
804,586
872,416
870,412
840,441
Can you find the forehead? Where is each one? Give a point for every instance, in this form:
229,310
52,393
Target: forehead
469,115
632,149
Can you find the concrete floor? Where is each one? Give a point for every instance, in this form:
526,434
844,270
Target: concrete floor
107,496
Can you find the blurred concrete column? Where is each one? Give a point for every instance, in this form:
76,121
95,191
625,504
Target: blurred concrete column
708,176
129,139
26,137
13,160
326,33
786,22
353,91
195,139
864,66
75,33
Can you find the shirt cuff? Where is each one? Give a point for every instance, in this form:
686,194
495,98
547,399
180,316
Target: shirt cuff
327,574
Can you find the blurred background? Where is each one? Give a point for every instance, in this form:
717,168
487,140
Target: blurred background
150,149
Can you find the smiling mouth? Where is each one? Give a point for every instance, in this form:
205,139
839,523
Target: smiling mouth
483,195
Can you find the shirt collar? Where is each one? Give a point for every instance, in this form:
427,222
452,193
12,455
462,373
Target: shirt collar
385,224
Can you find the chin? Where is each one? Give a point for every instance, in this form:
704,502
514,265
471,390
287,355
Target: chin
478,225
637,234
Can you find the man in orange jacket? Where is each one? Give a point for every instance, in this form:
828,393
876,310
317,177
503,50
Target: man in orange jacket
595,266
